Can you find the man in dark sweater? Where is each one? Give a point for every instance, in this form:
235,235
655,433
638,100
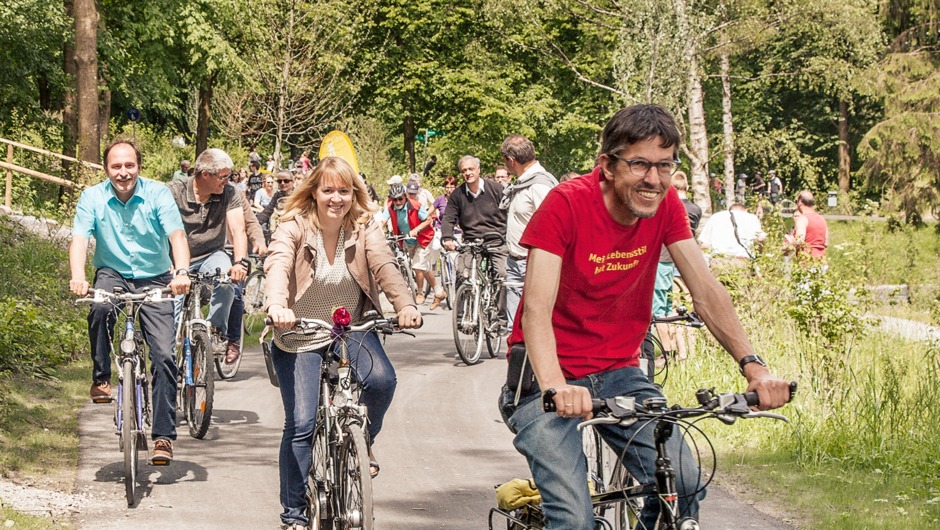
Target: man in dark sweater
475,207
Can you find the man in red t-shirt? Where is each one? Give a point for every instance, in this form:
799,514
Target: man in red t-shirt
593,248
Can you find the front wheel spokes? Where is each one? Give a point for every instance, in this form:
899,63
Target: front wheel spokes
356,481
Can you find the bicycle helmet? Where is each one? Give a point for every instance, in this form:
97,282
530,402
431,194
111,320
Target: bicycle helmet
395,191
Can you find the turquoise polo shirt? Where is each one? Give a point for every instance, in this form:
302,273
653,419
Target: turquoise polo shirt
132,238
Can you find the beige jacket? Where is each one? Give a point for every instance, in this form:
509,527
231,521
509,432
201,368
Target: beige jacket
289,271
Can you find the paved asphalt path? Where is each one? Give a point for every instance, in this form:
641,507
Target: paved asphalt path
443,448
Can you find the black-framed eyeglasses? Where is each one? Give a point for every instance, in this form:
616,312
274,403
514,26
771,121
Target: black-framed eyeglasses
398,199
639,168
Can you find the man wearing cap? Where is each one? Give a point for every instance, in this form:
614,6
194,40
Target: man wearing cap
285,185
408,216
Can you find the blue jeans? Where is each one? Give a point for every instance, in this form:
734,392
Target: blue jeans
662,289
515,272
299,378
223,295
552,446
236,315
156,324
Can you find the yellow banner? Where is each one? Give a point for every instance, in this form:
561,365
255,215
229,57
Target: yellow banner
336,143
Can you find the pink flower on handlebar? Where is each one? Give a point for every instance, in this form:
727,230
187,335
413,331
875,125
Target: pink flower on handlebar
341,316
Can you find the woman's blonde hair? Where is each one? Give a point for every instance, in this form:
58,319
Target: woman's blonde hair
301,201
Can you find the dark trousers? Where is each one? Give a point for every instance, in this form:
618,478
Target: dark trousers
156,324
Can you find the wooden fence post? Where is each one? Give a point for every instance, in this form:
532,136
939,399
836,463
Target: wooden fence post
8,199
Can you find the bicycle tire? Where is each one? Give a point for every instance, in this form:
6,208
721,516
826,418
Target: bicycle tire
468,334
199,412
129,429
493,344
408,275
356,480
627,512
228,370
318,507
253,292
447,281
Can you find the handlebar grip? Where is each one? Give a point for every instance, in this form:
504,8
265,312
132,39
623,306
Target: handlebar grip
548,402
753,401
269,322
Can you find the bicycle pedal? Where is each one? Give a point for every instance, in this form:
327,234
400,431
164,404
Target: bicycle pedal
102,400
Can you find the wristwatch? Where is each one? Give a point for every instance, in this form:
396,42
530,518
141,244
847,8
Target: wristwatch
750,359
181,271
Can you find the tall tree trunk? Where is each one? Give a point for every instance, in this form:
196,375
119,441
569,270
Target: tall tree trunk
410,141
86,59
845,160
698,141
104,110
202,122
726,120
69,104
282,92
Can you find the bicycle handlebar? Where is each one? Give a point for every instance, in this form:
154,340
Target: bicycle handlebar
624,410
488,242
684,318
100,296
308,326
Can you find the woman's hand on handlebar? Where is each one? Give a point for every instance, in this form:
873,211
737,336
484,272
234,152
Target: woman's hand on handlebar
450,245
282,317
409,317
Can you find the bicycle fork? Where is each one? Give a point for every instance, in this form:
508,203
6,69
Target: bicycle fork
666,488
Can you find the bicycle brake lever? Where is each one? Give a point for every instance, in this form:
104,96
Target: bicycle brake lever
770,415
410,334
598,420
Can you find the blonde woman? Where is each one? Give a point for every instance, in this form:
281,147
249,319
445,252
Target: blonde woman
328,252
264,195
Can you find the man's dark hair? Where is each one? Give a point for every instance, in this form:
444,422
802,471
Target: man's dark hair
118,141
254,165
518,148
636,123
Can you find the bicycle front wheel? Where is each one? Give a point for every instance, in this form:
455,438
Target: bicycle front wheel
253,296
355,480
129,429
199,399
409,276
468,329
228,370
318,509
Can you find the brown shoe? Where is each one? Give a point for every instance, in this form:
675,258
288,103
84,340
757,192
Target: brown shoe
162,452
232,352
100,392
438,298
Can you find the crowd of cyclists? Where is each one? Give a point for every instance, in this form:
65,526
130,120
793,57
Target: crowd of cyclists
586,251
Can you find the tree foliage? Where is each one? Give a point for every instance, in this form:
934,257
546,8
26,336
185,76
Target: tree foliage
806,78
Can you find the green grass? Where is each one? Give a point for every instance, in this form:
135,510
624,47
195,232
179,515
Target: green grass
39,421
12,519
861,448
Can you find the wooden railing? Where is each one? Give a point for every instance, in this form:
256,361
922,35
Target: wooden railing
11,168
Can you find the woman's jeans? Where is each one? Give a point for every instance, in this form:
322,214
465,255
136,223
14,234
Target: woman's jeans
552,446
299,378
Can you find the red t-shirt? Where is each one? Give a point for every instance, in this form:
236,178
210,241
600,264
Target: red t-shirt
605,294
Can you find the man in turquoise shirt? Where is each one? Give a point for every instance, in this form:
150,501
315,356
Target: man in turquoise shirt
136,225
